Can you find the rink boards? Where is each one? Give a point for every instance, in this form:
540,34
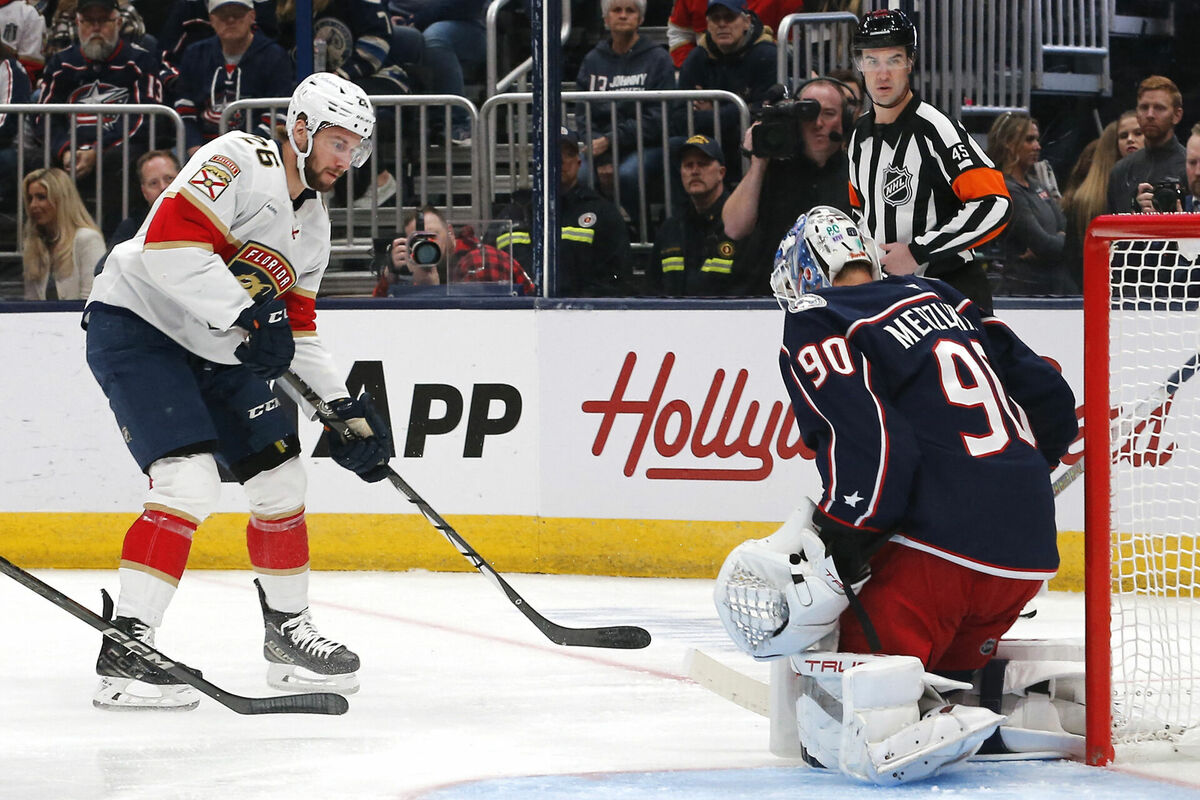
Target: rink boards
621,442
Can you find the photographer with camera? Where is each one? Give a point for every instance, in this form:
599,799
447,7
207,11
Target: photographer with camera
430,254
796,162
1160,163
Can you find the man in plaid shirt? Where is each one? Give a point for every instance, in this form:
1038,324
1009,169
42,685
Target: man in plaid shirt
462,259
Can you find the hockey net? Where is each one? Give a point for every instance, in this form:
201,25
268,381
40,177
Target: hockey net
1142,478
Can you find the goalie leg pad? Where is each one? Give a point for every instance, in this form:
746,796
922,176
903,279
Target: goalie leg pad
886,741
1040,687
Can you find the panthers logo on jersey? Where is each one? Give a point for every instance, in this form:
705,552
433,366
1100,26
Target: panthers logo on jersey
263,272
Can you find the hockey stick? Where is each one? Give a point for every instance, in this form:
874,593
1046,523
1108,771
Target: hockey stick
1126,426
727,682
316,703
625,637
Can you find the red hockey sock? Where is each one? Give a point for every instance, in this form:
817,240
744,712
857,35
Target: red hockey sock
158,543
278,545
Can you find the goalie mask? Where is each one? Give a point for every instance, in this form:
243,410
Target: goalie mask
815,250
326,100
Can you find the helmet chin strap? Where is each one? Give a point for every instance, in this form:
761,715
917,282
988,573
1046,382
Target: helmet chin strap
301,156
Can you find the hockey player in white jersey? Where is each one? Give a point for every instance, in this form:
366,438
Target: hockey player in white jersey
186,324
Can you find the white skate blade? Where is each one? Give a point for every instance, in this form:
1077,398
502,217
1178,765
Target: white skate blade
127,694
290,678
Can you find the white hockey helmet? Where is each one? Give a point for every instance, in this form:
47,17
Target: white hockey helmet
815,250
324,100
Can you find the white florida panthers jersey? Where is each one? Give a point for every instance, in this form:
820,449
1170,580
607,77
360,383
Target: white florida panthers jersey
225,234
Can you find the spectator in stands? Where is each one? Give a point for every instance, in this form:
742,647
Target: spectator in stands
23,34
358,43
776,189
1033,241
14,88
1159,109
593,251
1130,138
101,67
692,255
239,62
61,240
64,31
689,20
455,44
155,170
1191,190
188,22
736,55
626,61
463,259
1088,199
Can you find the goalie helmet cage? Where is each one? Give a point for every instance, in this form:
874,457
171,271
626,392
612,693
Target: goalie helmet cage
1142,483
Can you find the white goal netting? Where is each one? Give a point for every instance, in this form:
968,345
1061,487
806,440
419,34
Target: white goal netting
1154,350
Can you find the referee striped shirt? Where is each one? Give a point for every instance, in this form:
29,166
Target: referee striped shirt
923,181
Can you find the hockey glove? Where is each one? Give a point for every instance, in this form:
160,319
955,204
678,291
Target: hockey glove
268,350
365,450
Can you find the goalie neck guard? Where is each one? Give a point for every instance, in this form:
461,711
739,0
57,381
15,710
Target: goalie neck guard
815,250
326,100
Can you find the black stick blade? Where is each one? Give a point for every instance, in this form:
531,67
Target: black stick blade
617,637
316,703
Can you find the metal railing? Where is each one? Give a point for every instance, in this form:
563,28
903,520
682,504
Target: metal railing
496,84
34,121
974,58
404,145
813,44
508,161
1074,28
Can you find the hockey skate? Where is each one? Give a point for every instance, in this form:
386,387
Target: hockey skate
301,659
127,683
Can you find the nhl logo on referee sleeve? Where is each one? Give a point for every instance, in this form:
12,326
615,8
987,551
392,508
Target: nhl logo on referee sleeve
897,185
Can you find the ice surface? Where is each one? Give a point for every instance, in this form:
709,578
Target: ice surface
462,698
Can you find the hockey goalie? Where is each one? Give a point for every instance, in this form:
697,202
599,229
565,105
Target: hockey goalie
935,430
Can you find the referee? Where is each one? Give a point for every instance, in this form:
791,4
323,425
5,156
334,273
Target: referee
924,190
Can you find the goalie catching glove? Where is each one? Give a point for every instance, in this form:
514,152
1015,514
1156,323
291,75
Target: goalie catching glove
367,445
782,594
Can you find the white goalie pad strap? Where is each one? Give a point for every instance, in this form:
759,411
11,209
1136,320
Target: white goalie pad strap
773,603
885,740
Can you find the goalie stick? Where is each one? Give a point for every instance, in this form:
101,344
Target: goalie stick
624,637
1129,424
315,703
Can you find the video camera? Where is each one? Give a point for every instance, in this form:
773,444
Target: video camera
778,133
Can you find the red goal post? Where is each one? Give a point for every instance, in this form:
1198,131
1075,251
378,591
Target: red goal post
1141,304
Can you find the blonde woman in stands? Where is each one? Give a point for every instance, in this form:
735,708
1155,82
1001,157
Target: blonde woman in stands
1089,199
62,242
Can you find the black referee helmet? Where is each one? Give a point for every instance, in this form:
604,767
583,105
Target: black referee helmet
888,28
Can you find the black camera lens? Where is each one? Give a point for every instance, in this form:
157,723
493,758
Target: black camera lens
423,249
1166,195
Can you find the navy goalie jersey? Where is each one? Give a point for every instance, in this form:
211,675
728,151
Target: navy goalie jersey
930,422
